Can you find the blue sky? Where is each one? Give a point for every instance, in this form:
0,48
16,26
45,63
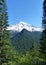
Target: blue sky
29,11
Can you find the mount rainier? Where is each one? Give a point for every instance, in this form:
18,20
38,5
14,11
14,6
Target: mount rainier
22,25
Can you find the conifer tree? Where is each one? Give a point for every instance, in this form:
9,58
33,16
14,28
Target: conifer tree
43,36
3,31
5,48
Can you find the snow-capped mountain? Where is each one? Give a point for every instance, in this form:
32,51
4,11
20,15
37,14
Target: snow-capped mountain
22,25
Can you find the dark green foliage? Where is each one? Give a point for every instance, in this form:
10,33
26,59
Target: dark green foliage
3,32
43,36
43,44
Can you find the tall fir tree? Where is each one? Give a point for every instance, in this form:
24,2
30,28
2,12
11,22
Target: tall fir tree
5,47
3,32
43,36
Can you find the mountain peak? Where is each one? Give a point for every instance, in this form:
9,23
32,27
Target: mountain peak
23,25
22,22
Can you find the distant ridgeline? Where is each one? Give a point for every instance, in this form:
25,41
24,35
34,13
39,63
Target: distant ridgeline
23,41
